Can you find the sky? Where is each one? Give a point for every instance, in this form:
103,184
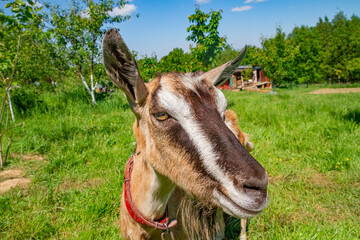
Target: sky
162,24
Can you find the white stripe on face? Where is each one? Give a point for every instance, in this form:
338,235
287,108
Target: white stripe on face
180,109
190,82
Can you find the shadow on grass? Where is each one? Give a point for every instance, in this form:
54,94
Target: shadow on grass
353,115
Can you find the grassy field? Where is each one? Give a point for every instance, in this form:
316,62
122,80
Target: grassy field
75,153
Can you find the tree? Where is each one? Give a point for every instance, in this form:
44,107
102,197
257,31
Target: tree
79,29
252,56
14,27
204,33
278,58
339,44
338,52
178,61
307,62
353,61
248,73
148,67
329,50
228,53
353,66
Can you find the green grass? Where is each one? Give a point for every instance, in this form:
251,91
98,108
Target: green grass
75,193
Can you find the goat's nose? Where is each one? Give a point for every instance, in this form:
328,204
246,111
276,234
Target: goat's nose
256,188
256,184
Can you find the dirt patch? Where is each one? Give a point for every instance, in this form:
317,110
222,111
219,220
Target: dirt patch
12,178
320,180
11,183
28,157
335,90
11,173
72,185
258,90
316,179
275,179
95,182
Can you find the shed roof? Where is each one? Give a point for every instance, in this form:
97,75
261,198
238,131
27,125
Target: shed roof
243,67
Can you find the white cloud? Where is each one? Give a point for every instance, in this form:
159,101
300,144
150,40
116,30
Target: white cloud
126,10
240,9
203,1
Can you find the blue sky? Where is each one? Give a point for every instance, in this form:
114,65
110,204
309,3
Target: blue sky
162,24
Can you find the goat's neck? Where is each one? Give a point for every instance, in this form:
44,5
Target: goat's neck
150,190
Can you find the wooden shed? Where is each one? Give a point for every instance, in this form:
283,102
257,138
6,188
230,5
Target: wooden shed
240,81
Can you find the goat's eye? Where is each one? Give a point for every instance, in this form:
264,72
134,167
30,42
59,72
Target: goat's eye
161,116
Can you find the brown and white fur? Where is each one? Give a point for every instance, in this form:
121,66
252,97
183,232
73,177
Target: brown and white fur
188,159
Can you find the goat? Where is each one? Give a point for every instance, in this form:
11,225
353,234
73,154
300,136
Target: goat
189,162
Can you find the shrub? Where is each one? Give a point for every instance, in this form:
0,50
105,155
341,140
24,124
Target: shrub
24,99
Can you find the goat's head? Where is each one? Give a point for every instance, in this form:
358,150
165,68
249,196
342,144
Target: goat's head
181,133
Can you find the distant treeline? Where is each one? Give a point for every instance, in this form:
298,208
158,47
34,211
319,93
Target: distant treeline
327,52
63,46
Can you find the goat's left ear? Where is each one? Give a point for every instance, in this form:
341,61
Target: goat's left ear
222,73
122,68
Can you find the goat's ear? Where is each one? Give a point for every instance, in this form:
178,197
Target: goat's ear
222,73
122,68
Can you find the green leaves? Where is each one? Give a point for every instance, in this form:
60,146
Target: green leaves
325,52
77,32
148,67
22,13
278,56
206,36
22,24
80,27
178,61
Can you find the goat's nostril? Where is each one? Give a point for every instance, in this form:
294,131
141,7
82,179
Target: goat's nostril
254,184
251,187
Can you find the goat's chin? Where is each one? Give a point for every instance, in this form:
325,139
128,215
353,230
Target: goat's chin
230,207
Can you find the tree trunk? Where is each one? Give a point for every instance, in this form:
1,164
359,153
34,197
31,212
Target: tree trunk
10,106
3,106
92,93
9,139
92,71
91,89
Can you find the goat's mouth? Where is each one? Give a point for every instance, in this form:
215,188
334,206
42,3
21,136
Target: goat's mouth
232,208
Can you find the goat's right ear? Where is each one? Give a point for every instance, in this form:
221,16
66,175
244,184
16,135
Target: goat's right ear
122,68
222,73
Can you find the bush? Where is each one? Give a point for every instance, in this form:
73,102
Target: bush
24,99
178,61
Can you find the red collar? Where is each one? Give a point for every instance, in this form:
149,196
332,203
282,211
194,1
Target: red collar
164,223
